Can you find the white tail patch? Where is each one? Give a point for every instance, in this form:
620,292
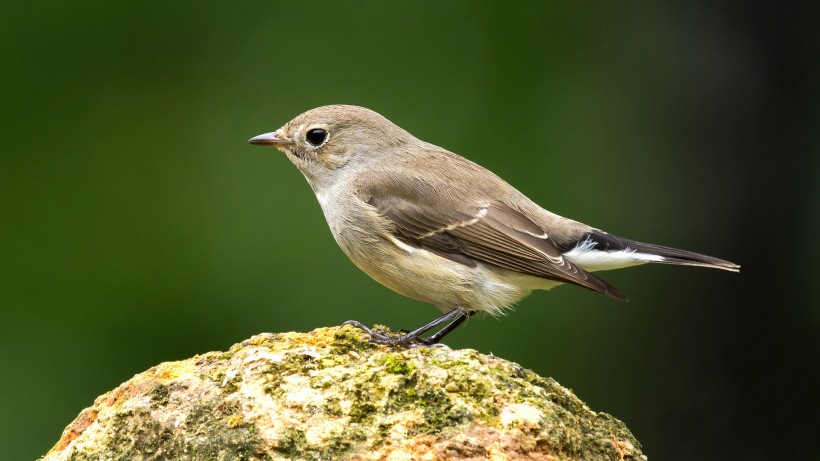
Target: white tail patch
585,255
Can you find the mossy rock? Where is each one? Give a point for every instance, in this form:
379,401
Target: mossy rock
330,394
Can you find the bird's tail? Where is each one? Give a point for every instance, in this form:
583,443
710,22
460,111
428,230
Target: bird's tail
681,257
599,250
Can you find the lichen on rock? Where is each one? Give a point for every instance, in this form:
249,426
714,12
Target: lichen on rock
330,394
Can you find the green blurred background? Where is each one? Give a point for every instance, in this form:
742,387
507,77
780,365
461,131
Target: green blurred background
137,226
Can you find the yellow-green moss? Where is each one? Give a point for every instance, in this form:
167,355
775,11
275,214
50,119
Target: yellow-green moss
395,363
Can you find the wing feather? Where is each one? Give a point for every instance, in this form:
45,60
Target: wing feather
488,231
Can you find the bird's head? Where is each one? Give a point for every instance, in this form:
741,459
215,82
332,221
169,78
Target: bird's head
324,141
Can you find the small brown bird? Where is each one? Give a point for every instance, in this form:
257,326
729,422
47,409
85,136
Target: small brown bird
438,228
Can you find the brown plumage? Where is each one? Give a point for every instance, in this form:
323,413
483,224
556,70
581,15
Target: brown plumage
439,228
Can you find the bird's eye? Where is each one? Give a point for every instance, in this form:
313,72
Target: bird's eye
316,136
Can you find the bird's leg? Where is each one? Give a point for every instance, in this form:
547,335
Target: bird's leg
456,317
436,338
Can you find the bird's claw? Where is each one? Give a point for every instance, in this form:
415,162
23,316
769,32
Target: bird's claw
380,336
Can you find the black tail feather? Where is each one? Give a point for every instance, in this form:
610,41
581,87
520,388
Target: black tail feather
608,242
681,257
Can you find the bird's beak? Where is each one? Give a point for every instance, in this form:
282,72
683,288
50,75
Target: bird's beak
268,139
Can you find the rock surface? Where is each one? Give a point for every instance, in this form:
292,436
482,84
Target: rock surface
330,394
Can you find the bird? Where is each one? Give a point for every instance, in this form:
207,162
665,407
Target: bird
436,227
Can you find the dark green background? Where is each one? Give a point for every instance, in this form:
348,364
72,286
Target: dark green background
137,226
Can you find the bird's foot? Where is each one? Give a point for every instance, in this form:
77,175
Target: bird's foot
413,338
381,336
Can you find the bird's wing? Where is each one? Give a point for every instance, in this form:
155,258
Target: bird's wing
470,231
